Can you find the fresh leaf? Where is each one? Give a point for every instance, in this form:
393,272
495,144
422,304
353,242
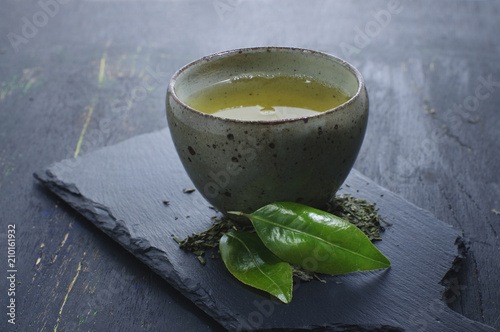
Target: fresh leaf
315,240
248,259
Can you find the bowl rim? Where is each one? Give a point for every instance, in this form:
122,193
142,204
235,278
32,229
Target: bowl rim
261,49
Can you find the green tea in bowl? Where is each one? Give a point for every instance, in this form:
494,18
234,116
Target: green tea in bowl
267,98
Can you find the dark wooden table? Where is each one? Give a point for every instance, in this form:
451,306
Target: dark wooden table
80,75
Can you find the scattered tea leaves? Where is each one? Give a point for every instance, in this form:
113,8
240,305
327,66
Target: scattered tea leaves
302,274
188,191
165,202
197,243
359,212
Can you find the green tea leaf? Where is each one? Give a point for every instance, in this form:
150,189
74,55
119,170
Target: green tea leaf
248,259
315,240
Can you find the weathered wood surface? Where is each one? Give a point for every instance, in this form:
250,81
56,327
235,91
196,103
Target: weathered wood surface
95,72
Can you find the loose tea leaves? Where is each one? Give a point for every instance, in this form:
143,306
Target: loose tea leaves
248,259
359,212
198,243
315,240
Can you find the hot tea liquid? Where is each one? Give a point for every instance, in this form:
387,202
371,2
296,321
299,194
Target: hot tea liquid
267,98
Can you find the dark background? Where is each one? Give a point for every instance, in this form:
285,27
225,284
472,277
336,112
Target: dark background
79,75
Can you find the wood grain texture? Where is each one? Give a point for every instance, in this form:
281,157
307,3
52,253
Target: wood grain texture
420,144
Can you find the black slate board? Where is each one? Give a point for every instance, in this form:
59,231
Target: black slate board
121,190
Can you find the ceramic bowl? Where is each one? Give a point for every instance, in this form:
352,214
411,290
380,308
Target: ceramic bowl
242,165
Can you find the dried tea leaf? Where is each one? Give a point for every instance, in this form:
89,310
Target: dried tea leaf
359,212
199,242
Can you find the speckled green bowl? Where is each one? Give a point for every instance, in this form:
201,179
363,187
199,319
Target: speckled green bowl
243,165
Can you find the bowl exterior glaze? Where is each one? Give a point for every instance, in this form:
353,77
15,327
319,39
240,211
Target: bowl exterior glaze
244,165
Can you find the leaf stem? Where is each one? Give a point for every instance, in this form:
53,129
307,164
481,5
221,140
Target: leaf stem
238,213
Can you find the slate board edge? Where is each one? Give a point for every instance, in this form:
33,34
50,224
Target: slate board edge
461,243
138,247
